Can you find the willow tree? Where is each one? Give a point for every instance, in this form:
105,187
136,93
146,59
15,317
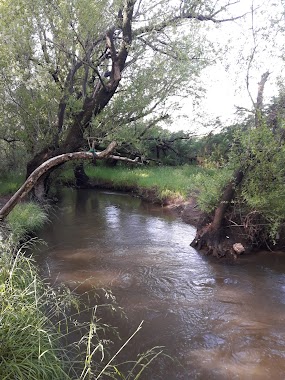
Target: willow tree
77,68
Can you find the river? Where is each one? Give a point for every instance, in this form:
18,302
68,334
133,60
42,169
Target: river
217,319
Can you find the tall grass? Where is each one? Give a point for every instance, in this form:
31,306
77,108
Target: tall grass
167,181
170,182
25,218
29,343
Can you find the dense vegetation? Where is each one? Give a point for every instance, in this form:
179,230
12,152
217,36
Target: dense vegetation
78,74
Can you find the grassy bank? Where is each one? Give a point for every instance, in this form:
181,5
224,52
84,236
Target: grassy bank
29,342
26,218
163,184
164,181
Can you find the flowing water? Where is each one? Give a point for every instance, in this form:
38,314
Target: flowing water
218,320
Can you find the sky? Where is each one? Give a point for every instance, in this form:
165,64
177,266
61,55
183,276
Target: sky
225,81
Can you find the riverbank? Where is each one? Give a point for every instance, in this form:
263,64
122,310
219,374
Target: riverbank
185,207
188,191
176,189
173,188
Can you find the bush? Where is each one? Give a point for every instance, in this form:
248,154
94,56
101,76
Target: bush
209,185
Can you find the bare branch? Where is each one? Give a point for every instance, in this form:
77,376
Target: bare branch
125,159
185,16
247,74
157,49
127,16
116,72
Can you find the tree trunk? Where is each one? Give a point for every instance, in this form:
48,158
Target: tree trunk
211,236
44,168
40,188
259,99
100,94
81,178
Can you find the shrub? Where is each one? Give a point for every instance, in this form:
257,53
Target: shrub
209,185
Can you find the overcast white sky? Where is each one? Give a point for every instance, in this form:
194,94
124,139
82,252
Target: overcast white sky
227,88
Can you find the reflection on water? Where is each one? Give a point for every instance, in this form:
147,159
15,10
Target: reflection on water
219,320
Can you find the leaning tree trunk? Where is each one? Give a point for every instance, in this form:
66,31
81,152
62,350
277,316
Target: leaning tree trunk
211,237
52,163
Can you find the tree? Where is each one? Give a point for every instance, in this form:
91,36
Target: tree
54,162
251,207
64,61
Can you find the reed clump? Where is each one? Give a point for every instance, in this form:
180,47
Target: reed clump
30,345
26,218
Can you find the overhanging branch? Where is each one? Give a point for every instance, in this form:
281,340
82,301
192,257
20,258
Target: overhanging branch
51,163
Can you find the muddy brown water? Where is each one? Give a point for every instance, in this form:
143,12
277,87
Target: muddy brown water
218,320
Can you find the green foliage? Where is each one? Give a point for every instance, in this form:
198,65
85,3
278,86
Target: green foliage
9,184
25,218
215,148
13,158
209,185
263,190
54,57
167,181
29,342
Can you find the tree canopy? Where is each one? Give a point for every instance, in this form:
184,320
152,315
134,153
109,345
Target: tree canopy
63,62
